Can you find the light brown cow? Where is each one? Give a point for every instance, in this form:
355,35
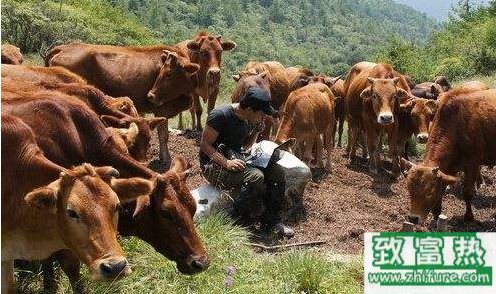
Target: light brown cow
308,115
11,54
414,118
47,208
205,50
159,79
372,104
462,139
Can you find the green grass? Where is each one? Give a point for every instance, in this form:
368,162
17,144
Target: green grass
296,271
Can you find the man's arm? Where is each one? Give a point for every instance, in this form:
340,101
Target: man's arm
208,138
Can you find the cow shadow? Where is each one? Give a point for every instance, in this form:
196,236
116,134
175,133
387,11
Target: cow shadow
382,181
457,224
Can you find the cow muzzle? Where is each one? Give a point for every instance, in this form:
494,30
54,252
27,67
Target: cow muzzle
385,118
152,98
422,138
414,219
111,268
194,264
213,76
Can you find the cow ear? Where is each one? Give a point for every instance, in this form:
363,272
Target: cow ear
131,134
396,80
371,81
164,55
432,105
445,178
408,106
228,45
107,173
191,68
112,121
366,93
405,166
42,198
263,74
402,95
131,188
236,77
193,46
173,60
153,122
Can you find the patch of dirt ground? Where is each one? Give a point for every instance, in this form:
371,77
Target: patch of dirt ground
349,201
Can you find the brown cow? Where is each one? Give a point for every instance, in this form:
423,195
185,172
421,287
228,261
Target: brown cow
415,117
47,208
11,54
95,99
53,76
339,94
298,77
372,103
462,139
275,74
308,115
472,86
205,50
159,79
443,82
81,137
427,90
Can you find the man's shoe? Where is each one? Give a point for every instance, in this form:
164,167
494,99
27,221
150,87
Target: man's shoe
282,230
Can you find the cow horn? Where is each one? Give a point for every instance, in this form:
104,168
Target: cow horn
141,203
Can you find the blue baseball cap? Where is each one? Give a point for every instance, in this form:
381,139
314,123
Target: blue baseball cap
256,96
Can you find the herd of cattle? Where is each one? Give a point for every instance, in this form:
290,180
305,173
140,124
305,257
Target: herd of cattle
74,144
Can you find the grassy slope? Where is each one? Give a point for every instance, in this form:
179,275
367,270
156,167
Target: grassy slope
298,271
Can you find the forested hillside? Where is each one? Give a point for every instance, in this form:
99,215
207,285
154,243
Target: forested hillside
464,47
324,35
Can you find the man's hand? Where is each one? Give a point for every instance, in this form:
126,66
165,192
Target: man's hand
235,164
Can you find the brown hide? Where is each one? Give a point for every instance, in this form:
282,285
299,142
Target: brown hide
308,115
37,74
11,54
48,208
461,139
98,102
81,137
298,77
205,50
372,104
339,94
427,90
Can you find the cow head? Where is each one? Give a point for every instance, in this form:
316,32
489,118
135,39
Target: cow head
426,186
86,204
165,221
11,54
177,77
123,104
443,82
207,51
328,81
137,139
422,112
435,91
384,96
246,80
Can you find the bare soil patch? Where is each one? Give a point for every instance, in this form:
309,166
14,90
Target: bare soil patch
342,205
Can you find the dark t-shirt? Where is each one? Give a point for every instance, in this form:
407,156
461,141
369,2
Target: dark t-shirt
232,130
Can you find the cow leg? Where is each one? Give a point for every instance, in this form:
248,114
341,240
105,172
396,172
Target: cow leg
198,111
436,211
471,175
394,151
340,131
329,147
363,142
372,139
353,133
180,124
8,283
163,139
307,153
319,150
70,265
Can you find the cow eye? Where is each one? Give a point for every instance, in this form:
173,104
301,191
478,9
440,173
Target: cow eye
166,214
72,214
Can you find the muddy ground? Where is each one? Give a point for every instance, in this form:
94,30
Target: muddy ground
340,206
